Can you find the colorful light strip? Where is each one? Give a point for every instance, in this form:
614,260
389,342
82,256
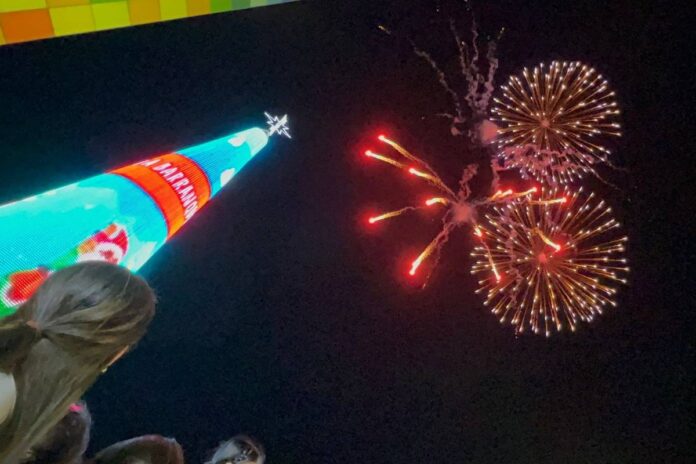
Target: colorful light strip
26,20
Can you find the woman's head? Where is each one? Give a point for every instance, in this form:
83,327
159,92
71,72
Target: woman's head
240,449
76,325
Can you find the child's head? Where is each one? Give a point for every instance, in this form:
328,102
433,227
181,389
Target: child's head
147,449
78,323
66,442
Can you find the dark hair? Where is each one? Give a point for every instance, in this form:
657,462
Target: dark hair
148,449
66,442
239,449
58,343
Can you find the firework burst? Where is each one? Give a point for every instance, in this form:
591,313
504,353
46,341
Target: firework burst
457,209
550,263
553,121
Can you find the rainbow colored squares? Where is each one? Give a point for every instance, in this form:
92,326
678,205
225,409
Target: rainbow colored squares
26,20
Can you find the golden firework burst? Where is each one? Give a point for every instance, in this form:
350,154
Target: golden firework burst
550,263
553,120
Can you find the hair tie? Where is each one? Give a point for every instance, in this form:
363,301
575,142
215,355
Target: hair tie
76,407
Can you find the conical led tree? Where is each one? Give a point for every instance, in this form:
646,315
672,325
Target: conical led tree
123,216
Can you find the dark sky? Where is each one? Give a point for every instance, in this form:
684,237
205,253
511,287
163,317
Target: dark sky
281,317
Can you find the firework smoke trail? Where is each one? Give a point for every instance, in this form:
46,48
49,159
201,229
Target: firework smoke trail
458,210
553,260
479,87
442,78
464,65
492,68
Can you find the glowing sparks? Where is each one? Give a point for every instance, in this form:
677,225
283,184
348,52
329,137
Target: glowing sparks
424,255
401,150
384,159
553,120
509,194
558,261
550,201
418,173
435,200
547,240
454,202
492,266
388,215
528,192
500,194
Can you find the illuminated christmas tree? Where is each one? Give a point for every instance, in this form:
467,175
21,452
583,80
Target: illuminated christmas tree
123,216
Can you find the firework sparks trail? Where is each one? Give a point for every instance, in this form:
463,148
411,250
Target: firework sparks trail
553,121
553,261
458,210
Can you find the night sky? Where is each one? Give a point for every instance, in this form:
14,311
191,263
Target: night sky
282,317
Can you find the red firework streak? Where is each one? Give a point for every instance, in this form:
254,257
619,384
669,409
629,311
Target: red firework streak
457,208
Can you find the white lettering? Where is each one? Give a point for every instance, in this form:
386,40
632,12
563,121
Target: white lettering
176,176
188,199
184,192
149,162
179,184
191,210
168,172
